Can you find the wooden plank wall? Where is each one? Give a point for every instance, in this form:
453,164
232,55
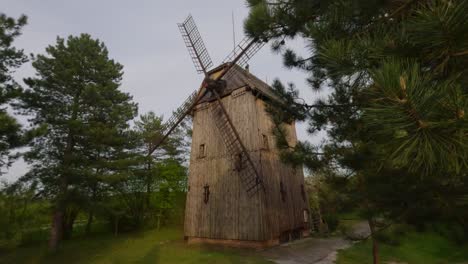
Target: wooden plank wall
230,213
287,215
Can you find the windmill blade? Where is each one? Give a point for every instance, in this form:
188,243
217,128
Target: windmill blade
249,176
177,117
194,43
242,53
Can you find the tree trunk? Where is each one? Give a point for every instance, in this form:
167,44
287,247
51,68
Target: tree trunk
68,222
159,220
116,226
375,243
148,188
89,223
91,208
56,229
56,232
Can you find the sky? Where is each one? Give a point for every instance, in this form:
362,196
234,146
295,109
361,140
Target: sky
142,35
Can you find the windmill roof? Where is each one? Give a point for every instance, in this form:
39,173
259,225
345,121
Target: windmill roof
238,78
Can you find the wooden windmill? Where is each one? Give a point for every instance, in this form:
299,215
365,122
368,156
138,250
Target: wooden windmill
239,192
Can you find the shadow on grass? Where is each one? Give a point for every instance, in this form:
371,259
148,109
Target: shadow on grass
151,246
152,256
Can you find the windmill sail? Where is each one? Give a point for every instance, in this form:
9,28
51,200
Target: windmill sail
194,43
177,117
242,53
249,176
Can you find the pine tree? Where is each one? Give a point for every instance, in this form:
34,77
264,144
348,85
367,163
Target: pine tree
150,175
76,95
401,63
10,59
395,118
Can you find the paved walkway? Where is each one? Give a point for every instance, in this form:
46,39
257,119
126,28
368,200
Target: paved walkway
313,250
307,251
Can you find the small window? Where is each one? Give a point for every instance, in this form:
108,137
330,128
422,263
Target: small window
206,193
265,141
201,151
306,216
282,192
303,193
238,162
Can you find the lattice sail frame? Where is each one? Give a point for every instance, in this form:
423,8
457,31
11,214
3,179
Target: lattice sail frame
202,61
194,43
246,48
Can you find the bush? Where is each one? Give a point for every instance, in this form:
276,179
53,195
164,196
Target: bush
332,222
452,231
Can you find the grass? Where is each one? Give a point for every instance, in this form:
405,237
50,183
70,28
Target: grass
163,246
413,247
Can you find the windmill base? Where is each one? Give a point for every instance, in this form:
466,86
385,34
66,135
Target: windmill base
234,243
254,244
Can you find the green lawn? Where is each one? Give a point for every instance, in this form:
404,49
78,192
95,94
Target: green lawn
414,247
165,246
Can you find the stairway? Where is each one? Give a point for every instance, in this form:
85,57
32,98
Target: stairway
249,176
316,222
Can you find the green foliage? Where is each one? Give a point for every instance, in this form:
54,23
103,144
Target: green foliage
412,247
21,214
423,118
75,96
10,59
86,160
153,246
397,144
398,82
353,42
145,191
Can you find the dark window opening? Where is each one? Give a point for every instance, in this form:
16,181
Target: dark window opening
265,141
282,192
201,151
306,215
303,193
206,193
238,162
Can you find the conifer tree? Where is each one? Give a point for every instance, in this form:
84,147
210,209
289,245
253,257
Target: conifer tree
76,96
150,175
395,117
10,59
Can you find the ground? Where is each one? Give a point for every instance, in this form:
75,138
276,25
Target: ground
413,247
307,251
167,246
315,250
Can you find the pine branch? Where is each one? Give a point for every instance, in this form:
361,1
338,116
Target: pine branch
462,53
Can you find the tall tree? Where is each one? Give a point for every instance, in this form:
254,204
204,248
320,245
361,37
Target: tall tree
10,59
148,176
76,95
397,76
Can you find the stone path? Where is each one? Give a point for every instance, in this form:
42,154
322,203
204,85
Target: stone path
312,250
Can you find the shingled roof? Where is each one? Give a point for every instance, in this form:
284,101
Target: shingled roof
238,78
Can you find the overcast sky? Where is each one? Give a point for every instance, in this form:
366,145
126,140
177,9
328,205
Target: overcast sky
143,36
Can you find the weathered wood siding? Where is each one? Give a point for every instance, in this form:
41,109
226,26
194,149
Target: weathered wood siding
230,213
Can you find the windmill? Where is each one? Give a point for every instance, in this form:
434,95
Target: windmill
239,192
